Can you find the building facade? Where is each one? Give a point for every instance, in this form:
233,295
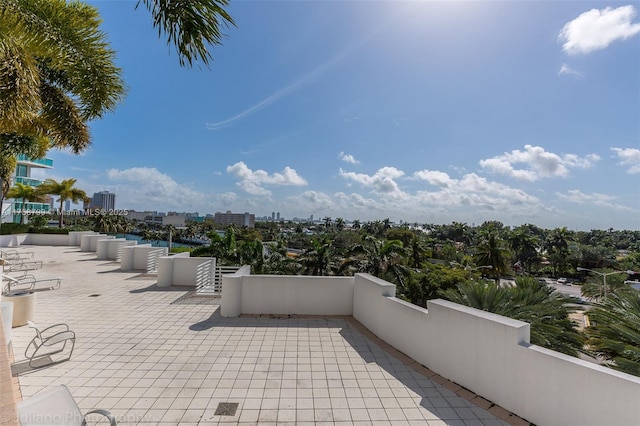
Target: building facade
23,175
239,219
103,200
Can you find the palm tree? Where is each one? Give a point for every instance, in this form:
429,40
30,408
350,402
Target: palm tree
491,252
190,25
614,332
376,257
524,244
65,191
557,246
25,193
317,259
546,310
56,73
594,287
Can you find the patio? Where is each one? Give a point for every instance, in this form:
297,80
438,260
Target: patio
165,356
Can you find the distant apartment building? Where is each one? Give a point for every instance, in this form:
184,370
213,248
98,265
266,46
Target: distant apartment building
239,219
104,200
23,176
148,217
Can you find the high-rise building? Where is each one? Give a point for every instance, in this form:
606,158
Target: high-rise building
278,216
103,200
23,176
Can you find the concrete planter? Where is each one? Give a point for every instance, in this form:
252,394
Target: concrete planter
24,306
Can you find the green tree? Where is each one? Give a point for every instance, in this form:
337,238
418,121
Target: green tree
57,72
25,193
376,257
65,191
318,259
594,287
191,26
614,332
557,247
491,252
546,310
525,245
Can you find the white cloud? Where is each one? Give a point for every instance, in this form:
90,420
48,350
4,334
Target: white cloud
383,181
434,177
538,163
141,187
629,157
597,29
253,181
348,158
566,70
595,199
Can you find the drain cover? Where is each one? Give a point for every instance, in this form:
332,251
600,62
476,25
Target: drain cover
94,295
226,409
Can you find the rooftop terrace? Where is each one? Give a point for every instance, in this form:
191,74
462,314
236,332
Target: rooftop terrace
164,356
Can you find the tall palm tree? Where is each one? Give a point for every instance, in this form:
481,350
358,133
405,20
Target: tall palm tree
546,310
491,252
25,193
557,247
376,257
190,25
65,191
57,72
317,259
614,332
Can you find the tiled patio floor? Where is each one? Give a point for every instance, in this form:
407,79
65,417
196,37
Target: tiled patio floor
161,356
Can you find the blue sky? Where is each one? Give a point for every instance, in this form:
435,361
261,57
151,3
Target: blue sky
522,112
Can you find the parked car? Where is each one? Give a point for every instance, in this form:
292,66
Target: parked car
563,281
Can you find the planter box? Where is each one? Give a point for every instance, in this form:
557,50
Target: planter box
24,306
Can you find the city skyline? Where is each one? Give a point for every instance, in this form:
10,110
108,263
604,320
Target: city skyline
431,112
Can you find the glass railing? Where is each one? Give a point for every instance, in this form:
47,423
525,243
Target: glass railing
28,181
17,206
47,162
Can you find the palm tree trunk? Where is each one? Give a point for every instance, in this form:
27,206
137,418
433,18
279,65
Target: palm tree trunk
61,216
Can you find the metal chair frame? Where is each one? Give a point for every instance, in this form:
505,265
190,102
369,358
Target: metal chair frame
48,341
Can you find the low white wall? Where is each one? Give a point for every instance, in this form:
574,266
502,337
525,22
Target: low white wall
285,295
102,247
74,237
86,241
47,239
137,257
12,240
181,270
186,270
491,356
231,297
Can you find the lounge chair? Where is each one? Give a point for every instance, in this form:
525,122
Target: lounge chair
49,341
16,255
28,282
55,406
21,264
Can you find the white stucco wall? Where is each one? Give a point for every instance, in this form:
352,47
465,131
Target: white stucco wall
181,270
74,237
285,295
137,257
47,239
491,356
88,241
12,240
